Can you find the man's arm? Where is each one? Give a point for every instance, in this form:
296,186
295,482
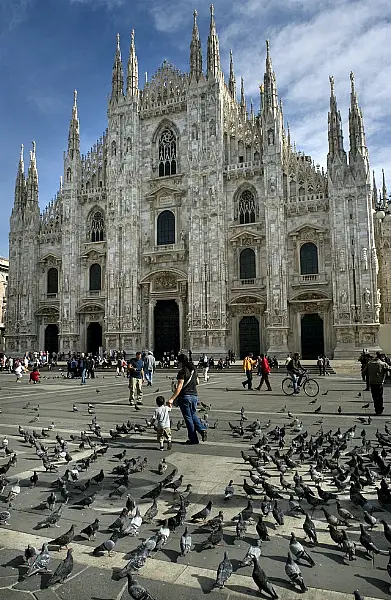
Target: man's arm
176,393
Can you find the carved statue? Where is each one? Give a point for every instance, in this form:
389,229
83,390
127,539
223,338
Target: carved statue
270,137
377,314
146,239
276,302
367,297
342,264
365,259
66,284
344,297
375,260
272,184
378,296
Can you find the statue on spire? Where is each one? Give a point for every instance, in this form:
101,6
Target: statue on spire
270,100
335,134
132,78
232,80
74,130
117,91
356,125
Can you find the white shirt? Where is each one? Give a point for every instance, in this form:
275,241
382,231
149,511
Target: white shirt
162,417
19,370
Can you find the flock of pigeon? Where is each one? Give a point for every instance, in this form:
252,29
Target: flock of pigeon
342,476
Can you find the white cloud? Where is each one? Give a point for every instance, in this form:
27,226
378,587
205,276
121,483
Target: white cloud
309,41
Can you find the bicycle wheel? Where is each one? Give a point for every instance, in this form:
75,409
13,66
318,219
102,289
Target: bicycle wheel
287,386
311,388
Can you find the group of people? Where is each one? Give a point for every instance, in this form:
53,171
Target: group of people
262,363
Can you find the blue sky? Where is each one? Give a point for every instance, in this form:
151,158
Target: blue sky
50,47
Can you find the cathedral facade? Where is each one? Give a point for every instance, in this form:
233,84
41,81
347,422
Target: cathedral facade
193,223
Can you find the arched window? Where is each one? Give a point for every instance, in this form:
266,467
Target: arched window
52,281
247,264
167,154
309,259
165,233
97,230
95,277
247,207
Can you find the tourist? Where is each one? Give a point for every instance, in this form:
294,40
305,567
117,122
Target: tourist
91,363
205,367
321,365
186,398
149,367
265,370
120,367
248,364
18,372
35,376
376,370
136,377
295,371
161,422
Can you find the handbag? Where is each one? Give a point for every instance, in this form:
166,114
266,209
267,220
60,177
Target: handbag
184,385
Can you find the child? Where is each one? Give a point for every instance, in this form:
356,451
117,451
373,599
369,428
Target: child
161,420
18,373
35,376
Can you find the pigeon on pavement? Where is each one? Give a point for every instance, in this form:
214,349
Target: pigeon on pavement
224,571
40,563
63,570
293,572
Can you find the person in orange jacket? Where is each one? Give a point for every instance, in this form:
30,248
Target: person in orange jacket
248,364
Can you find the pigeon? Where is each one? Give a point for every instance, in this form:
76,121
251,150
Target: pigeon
366,542
261,581
295,507
63,570
40,562
253,551
293,572
154,493
262,530
118,492
317,410
107,546
298,551
185,543
213,539
310,530
137,560
91,530
203,514
174,485
120,521
4,517
250,490
136,591
339,410
216,521
121,455
344,513
224,572
65,539
229,490
169,478
74,408
357,595
151,512
241,528
51,501
162,467
29,554
164,534
365,405
34,479
386,530
132,528
369,519
85,502
278,514
51,519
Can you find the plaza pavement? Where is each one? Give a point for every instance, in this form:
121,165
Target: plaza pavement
208,466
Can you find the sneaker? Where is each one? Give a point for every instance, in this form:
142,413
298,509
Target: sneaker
169,445
258,388
204,435
131,403
139,402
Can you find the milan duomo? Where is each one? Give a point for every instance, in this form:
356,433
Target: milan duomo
193,223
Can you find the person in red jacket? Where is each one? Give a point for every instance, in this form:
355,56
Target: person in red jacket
265,370
34,376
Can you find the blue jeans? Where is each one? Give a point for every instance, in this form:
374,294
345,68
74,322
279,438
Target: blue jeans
148,376
83,375
188,406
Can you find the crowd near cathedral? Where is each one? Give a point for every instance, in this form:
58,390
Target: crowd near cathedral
194,223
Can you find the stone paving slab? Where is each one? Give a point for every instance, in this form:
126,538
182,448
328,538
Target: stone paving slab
208,466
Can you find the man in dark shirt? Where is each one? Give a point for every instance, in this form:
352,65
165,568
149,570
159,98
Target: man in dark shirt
136,376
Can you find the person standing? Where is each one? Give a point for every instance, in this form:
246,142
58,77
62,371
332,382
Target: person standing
265,370
186,398
376,370
248,364
136,376
205,367
149,367
83,368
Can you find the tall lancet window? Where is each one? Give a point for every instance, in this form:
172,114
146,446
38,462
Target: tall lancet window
247,207
167,153
97,230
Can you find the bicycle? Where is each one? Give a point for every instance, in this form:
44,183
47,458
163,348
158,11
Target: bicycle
310,386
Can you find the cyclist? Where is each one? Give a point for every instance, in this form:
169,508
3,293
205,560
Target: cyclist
295,371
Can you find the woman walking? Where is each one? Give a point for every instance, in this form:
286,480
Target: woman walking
186,398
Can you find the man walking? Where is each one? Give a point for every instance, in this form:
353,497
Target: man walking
264,370
136,376
376,370
149,367
205,367
248,364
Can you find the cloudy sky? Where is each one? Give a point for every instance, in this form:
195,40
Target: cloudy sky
50,47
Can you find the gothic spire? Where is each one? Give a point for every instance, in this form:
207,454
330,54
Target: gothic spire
232,80
335,127
132,78
20,183
384,189
242,96
374,190
214,68
270,86
195,52
32,178
117,90
74,130
356,124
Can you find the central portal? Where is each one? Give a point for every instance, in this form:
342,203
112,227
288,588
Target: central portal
166,318
94,338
